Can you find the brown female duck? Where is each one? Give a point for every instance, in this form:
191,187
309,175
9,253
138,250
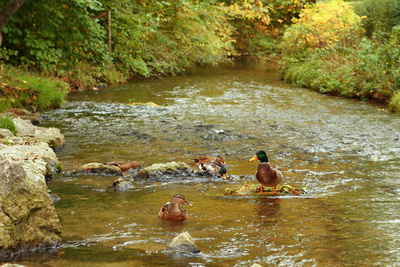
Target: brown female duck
173,210
124,166
267,174
219,160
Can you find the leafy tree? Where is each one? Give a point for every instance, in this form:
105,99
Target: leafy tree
149,37
7,12
325,24
382,18
55,35
169,37
260,24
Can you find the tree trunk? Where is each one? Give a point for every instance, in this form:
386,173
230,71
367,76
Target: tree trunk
8,11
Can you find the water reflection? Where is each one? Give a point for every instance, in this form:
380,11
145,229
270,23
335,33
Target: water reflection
268,211
173,227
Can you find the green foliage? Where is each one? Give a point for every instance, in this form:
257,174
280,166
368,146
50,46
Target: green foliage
52,35
19,89
7,123
149,38
394,103
170,37
259,31
88,76
5,54
380,16
325,24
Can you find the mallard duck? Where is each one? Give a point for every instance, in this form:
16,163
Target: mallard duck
124,166
219,160
173,210
267,174
212,167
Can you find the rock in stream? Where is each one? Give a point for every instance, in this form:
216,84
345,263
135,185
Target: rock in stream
28,219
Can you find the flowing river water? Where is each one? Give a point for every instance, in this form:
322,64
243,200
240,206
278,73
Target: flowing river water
346,153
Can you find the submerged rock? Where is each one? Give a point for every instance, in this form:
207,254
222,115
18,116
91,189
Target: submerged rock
51,136
166,169
12,265
183,243
54,197
100,168
249,189
152,104
121,185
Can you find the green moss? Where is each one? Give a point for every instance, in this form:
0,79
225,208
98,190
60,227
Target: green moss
59,168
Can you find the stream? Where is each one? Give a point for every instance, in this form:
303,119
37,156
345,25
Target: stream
345,153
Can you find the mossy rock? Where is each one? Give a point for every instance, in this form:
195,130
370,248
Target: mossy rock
100,168
166,169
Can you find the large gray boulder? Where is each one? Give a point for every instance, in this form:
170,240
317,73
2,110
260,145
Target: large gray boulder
166,169
28,218
37,157
52,136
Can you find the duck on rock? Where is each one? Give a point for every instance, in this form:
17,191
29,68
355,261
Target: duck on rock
218,160
212,167
173,210
267,174
124,166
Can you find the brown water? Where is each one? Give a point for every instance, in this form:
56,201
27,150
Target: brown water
346,153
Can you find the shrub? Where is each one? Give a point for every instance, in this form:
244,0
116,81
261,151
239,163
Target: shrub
394,103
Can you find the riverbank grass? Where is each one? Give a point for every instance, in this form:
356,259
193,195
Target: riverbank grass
7,123
20,89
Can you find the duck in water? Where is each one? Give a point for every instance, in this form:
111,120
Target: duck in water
211,167
219,160
124,166
173,210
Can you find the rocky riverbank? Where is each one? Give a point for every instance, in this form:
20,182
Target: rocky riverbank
28,218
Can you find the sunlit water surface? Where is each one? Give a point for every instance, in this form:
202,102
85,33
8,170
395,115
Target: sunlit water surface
346,153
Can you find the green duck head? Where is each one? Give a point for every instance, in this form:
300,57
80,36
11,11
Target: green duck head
261,156
222,172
